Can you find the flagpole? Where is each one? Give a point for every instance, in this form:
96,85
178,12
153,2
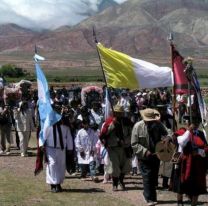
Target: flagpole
101,65
170,38
189,72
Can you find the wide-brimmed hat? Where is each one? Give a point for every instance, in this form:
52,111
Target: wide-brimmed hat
138,94
150,114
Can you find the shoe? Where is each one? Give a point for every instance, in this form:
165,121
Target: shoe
115,188
115,183
53,188
24,154
122,185
83,178
180,203
121,182
151,203
95,179
1,152
74,174
8,152
105,181
58,188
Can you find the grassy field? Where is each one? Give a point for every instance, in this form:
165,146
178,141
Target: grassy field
84,67
19,186
17,190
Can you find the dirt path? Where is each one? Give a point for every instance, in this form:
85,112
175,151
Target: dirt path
24,167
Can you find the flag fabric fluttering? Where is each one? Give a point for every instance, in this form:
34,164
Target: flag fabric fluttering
201,102
38,57
108,110
123,71
48,116
180,79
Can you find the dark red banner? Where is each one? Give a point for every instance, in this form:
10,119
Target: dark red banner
180,79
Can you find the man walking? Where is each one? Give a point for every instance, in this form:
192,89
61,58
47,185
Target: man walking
145,135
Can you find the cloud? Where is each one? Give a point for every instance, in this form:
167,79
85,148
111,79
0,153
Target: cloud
46,14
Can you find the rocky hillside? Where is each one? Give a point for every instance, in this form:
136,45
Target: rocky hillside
137,27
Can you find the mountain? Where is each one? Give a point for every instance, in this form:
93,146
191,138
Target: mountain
143,25
104,4
137,27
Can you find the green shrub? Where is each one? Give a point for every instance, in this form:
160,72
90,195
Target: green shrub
9,70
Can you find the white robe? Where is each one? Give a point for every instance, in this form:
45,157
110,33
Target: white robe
55,169
85,142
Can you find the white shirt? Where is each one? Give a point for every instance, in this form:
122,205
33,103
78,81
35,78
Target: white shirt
85,142
66,135
183,140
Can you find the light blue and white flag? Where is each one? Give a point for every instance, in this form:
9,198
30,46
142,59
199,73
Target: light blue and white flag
48,116
108,110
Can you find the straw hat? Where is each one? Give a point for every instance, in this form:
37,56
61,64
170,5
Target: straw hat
150,114
118,108
165,151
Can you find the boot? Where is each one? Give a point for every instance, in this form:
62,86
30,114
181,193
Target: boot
121,182
53,188
59,188
115,183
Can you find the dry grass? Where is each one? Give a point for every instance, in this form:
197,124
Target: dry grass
19,187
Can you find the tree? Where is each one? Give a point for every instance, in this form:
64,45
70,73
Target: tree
10,70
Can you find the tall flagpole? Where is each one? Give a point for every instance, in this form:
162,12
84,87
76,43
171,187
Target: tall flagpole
189,73
170,38
101,65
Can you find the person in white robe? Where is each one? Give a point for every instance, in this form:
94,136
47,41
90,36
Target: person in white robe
24,125
58,140
85,143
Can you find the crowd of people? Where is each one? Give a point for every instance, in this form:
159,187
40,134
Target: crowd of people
86,143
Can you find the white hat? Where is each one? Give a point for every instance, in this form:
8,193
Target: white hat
139,94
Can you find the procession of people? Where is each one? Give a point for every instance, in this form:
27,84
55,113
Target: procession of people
85,143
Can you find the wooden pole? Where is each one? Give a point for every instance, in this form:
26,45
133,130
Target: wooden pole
173,88
189,96
101,65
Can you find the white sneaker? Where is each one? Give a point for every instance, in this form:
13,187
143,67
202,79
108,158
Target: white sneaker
105,181
151,203
24,154
1,152
74,174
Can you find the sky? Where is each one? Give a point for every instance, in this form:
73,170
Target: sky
46,14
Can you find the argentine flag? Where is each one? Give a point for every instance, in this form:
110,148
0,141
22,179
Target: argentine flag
108,110
48,116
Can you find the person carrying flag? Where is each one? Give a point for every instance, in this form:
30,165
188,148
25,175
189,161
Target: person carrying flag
58,140
115,135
